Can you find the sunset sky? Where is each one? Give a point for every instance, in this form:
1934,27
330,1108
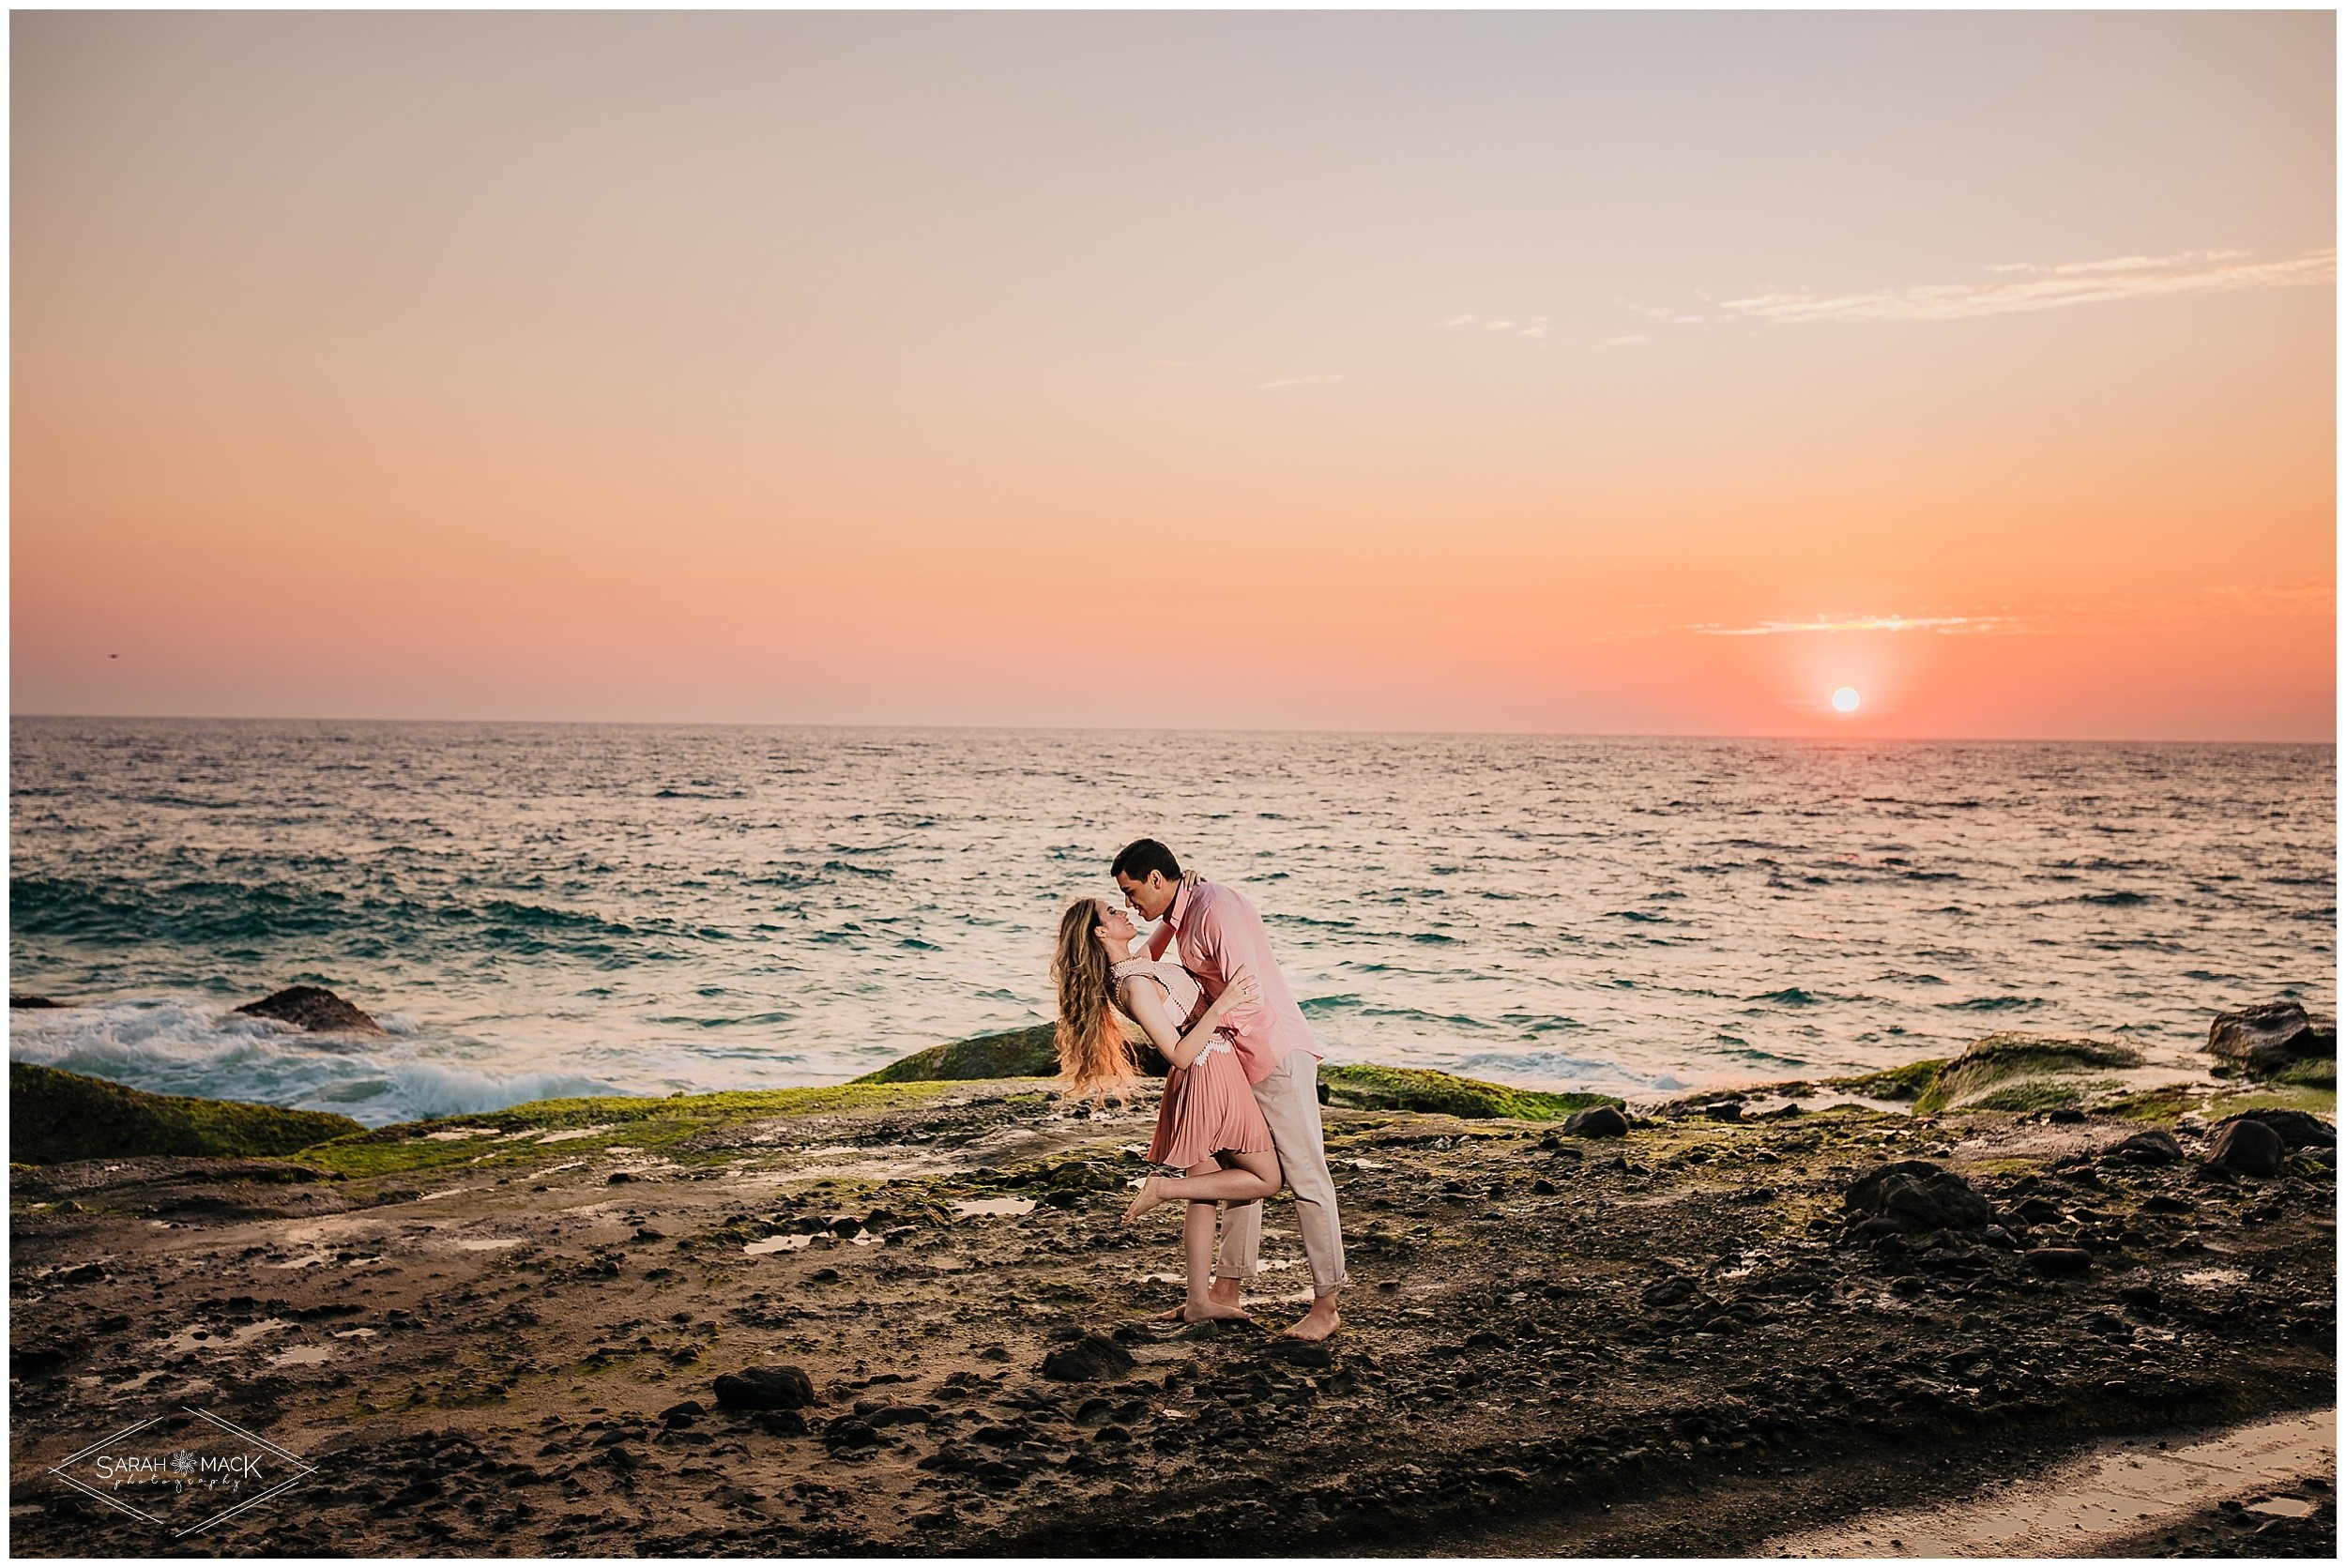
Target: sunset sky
1644,373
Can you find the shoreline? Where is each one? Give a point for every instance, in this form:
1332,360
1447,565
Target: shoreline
490,1333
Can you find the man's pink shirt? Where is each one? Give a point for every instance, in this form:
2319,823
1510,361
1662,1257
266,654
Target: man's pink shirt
1221,934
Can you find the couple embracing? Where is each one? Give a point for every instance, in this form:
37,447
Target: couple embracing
1241,1111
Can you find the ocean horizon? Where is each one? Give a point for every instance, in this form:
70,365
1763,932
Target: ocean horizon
536,909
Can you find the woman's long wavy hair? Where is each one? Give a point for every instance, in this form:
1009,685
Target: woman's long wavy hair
1095,1057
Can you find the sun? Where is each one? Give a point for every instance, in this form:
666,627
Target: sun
1845,700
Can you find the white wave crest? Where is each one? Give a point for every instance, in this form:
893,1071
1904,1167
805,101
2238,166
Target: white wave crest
181,1044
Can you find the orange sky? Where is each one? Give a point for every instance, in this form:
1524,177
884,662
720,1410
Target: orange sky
1639,373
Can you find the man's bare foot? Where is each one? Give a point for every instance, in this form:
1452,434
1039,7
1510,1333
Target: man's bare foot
1319,1322
1152,1194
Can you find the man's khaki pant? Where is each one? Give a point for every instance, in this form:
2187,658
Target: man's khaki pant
1289,1099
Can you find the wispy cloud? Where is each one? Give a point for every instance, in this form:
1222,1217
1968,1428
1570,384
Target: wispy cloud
1536,327
1298,381
2026,286
1943,624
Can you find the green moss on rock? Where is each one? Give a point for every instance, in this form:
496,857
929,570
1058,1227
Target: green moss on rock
1026,1053
55,1116
2016,1072
1909,1082
649,1122
1420,1089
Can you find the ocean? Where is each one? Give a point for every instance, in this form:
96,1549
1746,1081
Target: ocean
545,910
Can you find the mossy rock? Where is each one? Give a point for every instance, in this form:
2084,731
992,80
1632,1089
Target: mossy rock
1422,1089
2317,1073
670,1124
1910,1082
1026,1053
2015,1072
2160,1106
55,1116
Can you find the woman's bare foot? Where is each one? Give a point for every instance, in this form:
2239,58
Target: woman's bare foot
1222,1292
1152,1194
1210,1310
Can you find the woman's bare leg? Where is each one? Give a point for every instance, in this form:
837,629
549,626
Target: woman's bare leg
1198,1219
1260,1171
1217,1185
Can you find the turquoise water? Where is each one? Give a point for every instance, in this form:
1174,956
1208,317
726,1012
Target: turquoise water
545,910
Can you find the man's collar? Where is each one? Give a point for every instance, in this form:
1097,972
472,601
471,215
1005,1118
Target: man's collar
1180,908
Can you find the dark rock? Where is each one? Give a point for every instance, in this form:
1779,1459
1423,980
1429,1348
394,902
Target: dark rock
615,1177
1092,1359
1918,1196
1667,1292
2271,1036
898,1415
2141,1300
684,1414
2247,1148
849,1432
313,1008
1597,1121
1724,1110
2149,1147
1084,1176
2160,1203
765,1388
2067,1113
2297,1129
17,999
2058,1262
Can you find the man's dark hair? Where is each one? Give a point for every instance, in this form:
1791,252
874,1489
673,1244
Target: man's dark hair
1139,858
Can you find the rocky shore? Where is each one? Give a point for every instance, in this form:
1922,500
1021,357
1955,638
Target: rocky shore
902,1317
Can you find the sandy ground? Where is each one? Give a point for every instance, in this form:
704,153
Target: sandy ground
1673,1343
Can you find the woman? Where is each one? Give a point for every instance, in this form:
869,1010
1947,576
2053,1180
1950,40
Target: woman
1207,1116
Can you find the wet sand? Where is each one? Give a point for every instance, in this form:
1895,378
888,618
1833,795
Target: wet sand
2110,1497
1672,1343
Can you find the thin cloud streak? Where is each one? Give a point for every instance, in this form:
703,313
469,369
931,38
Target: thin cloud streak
1943,624
2024,286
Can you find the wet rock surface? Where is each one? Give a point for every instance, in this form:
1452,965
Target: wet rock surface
315,1008
2247,1148
2267,1039
1680,1341
1597,1121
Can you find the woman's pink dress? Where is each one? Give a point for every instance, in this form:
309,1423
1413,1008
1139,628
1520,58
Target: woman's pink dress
1209,1106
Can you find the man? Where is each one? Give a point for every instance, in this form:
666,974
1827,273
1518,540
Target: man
1221,936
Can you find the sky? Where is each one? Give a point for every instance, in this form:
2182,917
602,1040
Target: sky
1641,373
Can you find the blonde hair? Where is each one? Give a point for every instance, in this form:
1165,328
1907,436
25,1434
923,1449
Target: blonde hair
1095,1057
